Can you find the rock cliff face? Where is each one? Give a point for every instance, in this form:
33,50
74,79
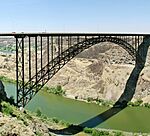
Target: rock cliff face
102,72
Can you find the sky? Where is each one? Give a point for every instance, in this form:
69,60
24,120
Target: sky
103,16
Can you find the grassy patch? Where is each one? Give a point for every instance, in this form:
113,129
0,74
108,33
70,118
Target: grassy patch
6,79
7,109
100,102
97,132
38,112
54,90
138,103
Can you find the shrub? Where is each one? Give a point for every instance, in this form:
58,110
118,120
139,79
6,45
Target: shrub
99,133
118,134
55,90
88,130
38,112
138,103
38,133
130,103
44,116
64,123
147,105
7,108
25,123
59,90
55,120
89,99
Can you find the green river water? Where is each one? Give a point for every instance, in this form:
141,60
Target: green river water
132,119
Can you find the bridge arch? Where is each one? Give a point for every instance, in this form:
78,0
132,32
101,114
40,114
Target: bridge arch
58,62
131,49
81,46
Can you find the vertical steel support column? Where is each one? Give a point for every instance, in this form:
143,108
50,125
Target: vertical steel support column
140,54
132,42
71,39
30,68
126,38
59,55
68,47
85,37
138,41
78,39
52,50
136,49
41,40
83,45
17,71
23,103
136,44
48,56
61,44
41,55
68,42
20,71
36,62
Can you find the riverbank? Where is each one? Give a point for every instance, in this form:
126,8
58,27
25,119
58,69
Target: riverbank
77,112
22,122
58,90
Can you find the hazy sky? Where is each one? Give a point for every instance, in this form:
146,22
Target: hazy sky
75,16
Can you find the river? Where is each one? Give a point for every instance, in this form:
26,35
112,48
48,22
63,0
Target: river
131,119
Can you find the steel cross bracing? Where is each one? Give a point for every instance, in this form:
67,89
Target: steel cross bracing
40,56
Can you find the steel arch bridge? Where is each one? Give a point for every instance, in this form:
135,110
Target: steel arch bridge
39,56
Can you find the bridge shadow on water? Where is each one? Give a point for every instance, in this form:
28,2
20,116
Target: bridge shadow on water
121,103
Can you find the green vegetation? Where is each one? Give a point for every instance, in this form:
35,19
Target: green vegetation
8,48
7,109
55,90
146,105
38,133
96,132
100,133
43,117
100,102
88,130
38,112
10,110
138,103
6,79
26,117
59,91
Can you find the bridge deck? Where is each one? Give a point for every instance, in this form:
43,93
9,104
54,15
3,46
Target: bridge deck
74,34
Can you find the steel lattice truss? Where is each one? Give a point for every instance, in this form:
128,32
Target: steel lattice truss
40,56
